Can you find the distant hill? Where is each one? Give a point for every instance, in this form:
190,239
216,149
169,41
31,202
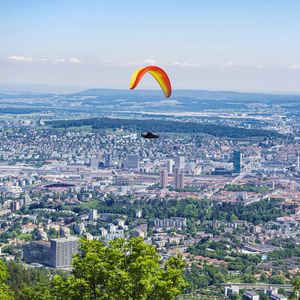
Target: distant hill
197,94
99,102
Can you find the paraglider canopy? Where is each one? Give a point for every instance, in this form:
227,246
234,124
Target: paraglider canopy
159,74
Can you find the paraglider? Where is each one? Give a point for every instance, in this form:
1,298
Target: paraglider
149,135
163,80
159,74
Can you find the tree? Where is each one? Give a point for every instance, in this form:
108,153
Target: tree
296,289
35,292
121,270
5,293
278,279
248,278
29,283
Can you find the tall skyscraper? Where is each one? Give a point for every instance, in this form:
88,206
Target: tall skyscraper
107,160
170,166
237,162
163,178
62,251
14,205
132,162
178,179
179,162
181,180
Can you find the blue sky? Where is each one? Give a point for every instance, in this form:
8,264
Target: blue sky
216,44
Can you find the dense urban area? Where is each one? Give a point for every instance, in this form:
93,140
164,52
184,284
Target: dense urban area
220,186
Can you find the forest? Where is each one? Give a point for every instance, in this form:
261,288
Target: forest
165,127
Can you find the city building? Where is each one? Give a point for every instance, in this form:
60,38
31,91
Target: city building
93,215
275,296
179,162
62,251
170,166
237,162
138,213
231,290
14,206
163,178
178,179
37,252
95,162
132,162
107,160
181,180
175,222
250,295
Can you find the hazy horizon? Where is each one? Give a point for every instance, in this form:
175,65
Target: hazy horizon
65,89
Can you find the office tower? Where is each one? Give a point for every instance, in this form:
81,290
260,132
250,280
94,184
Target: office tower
132,162
107,160
179,162
237,162
163,178
14,206
62,251
181,180
93,215
178,179
170,166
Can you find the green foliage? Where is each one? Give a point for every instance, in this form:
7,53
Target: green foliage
247,188
207,275
262,296
28,283
5,293
248,278
122,270
35,292
164,126
296,289
278,279
258,212
292,251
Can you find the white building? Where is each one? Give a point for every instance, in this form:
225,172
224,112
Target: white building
132,162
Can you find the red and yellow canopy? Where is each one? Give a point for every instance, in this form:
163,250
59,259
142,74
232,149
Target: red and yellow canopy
159,74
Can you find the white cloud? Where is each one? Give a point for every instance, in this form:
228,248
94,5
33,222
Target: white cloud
71,60
74,60
148,61
199,66
186,65
20,58
226,65
294,67
229,64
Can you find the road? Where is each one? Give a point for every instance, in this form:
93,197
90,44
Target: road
286,287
